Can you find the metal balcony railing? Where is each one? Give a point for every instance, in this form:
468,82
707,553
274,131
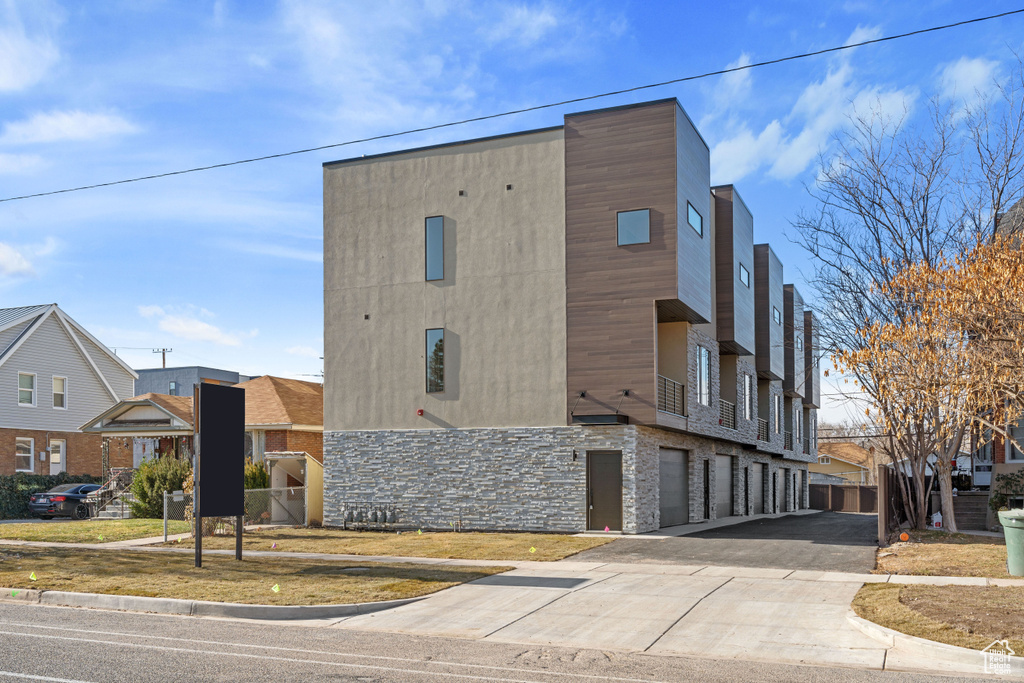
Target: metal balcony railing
727,413
789,441
671,396
762,430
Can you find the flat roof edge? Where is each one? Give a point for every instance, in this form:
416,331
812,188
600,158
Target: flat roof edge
443,145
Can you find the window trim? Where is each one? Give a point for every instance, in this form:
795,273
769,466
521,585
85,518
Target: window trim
172,388
824,460
31,453
744,280
697,229
618,228
34,389
63,394
426,359
426,249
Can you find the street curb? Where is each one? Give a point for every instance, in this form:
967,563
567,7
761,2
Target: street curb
940,653
196,608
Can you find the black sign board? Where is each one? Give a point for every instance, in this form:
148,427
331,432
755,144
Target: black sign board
221,451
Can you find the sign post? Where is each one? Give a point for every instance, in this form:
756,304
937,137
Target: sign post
218,475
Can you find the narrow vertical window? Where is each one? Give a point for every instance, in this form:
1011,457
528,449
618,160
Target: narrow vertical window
694,218
435,361
778,413
26,389
704,376
633,227
776,316
172,388
748,396
60,385
434,234
744,275
23,448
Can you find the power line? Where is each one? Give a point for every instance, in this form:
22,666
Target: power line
525,110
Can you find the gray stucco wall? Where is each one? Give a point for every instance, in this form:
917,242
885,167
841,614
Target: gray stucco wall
501,302
157,380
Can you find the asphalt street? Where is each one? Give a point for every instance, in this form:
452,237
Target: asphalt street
39,643
827,541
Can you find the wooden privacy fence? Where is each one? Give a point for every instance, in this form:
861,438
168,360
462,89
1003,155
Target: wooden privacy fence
843,498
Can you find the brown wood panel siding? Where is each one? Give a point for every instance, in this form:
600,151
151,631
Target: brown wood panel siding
734,245
770,340
617,160
695,267
812,390
793,384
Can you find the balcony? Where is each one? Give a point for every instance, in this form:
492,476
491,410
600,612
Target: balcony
727,414
762,430
671,396
789,441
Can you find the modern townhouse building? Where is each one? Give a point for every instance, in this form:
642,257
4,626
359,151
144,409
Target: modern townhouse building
561,329
54,375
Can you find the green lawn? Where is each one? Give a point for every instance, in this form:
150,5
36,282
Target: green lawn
90,531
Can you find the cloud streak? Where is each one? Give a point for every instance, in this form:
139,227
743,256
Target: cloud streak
184,324
63,126
27,48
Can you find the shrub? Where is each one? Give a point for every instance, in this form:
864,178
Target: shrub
15,490
256,476
1005,487
151,480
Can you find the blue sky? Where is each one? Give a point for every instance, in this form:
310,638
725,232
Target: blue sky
225,266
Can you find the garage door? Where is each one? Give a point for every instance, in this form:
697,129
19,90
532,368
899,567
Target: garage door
723,486
674,488
757,487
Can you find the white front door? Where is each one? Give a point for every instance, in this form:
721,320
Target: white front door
58,461
143,449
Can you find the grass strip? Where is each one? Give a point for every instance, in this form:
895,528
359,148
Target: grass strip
507,547
965,616
90,531
224,579
938,553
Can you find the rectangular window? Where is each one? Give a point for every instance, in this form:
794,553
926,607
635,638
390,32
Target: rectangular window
778,413
26,389
172,388
799,342
435,361
695,220
58,463
704,376
776,316
748,397
744,275
23,454
634,227
434,237
60,399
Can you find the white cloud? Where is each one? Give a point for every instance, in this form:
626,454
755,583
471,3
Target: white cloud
968,79
57,126
278,251
183,323
27,47
788,146
304,351
20,163
19,260
522,25
864,33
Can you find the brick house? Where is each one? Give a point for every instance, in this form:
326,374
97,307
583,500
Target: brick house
54,374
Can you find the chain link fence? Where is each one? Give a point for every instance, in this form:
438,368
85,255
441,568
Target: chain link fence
262,506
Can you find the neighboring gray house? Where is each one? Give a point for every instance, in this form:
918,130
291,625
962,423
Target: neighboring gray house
54,376
179,381
560,329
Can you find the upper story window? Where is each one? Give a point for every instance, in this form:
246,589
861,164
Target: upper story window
748,397
744,275
778,412
824,460
704,376
26,389
634,227
799,343
435,361
172,388
695,220
60,392
434,241
776,316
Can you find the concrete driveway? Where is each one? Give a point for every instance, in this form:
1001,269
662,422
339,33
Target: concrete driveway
824,541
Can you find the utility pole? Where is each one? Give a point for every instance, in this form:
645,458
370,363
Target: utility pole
163,353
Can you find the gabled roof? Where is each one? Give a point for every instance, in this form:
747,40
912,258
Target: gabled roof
848,452
279,401
35,316
175,411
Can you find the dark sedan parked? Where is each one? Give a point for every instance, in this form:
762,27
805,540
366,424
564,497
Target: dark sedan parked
66,500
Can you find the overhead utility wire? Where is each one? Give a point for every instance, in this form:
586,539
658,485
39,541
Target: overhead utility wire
513,112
